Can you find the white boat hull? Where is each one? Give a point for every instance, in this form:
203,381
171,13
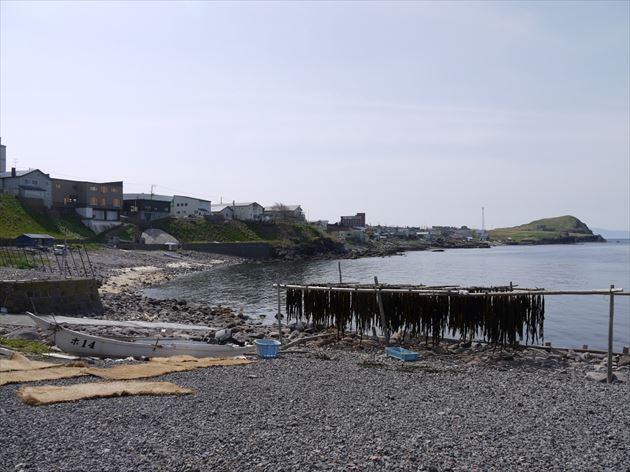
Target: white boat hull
81,344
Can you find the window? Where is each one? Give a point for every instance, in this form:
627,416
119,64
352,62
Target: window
103,202
93,188
104,189
114,189
57,185
93,201
116,202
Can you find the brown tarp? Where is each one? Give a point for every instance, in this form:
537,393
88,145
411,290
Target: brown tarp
51,394
161,366
51,373
154,368
19,362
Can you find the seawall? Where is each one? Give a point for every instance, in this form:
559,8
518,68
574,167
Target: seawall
68,296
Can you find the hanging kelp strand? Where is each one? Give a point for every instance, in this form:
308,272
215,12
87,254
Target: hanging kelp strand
498,314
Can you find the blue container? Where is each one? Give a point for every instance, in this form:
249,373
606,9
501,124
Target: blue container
401,353
267,348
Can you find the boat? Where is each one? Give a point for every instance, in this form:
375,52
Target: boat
87,345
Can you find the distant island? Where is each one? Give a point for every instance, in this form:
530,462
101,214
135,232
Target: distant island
559,230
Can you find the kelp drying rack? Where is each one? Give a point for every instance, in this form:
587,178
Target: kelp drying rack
500,313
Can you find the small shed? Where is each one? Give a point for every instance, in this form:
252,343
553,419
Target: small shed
34,240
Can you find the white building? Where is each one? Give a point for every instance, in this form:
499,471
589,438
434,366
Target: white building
281,212
224,211
248,211
357,235
184,207
31,184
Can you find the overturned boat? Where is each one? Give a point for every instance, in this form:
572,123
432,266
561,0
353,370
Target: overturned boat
82,344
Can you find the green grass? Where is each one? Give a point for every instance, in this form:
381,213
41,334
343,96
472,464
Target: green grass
17,219
17,259
24,345
200,230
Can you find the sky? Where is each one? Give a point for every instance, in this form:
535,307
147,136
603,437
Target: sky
416,113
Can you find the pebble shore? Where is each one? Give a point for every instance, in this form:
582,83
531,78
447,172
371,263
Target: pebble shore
330,408
330,404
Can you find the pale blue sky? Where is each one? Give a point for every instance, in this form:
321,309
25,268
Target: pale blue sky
417,113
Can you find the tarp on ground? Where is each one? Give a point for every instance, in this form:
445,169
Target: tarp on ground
161,366
19,362
51,373
48,394
154,368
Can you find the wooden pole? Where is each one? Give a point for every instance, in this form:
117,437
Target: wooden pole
83,263
457,291
611,317
381,309
87,256
279,316
339,267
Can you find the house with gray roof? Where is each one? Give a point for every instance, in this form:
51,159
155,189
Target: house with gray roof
31,184
281,212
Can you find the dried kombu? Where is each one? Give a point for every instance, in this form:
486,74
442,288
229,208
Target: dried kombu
501,320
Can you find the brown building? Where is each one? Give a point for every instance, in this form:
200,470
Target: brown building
357,220
92,200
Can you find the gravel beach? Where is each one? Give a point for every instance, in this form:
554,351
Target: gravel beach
335,409
331,405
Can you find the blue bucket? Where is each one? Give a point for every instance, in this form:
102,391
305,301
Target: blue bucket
267,348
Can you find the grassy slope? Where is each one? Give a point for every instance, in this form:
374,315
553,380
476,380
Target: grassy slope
16,219
198,230
547,228
287,234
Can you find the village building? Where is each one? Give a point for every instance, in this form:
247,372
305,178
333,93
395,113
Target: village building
147,206
357,220
95,202
280,212
34,240
31,185
3,157
248,211
222,211
189,207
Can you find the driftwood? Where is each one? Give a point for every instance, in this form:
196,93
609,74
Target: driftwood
297,342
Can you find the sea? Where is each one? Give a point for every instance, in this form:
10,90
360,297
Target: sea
570,320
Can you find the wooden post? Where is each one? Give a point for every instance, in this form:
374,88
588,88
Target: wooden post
611,317
379,299
339,266
279,316
87,256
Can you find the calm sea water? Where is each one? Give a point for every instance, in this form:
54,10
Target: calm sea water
570,320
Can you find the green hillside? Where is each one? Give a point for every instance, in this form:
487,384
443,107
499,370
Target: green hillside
302,236
198,229
16,219
547,230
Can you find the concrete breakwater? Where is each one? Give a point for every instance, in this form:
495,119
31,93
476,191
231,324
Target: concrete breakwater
68,296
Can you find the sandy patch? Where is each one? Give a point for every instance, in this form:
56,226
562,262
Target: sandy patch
133,277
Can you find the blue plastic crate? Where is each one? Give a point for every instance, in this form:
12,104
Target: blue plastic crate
401,353
267,348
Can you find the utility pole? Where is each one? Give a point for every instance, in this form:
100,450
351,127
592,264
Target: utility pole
483,219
